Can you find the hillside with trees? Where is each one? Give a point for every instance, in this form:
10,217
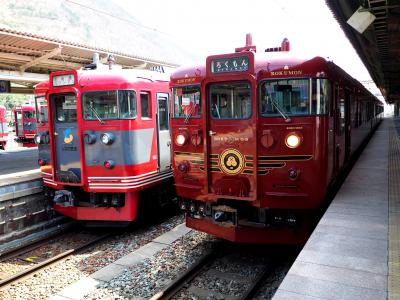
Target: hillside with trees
97,23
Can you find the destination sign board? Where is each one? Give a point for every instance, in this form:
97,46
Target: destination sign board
230,64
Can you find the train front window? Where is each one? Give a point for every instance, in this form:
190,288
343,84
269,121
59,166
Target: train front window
287,96
29,114
100,105
109,105
42,111
295,97
127,104
230,100
186,101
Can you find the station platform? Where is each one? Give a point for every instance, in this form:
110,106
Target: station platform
354,252
18,160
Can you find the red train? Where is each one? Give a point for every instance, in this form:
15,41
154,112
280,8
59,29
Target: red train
25,124
104,142
258,142
3,127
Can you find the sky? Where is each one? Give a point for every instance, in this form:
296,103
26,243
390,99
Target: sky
210,27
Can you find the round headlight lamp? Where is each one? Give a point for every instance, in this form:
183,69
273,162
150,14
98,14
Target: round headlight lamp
293,140
107,138
181,139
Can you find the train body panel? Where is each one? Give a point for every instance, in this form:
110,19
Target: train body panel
108,139
3,127
257,143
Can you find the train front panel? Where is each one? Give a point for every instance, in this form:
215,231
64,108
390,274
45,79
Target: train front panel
105,143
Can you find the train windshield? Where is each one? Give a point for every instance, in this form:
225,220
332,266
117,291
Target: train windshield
109,105
230,100
29,114
294,97
42,112
186,101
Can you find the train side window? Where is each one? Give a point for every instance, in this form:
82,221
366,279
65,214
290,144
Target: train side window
145,105
342,117
127,104
321,96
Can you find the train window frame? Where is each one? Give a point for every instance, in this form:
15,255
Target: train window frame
182,115
134,105
30,112
39,110
118,117
309,111
248,100
56,119
149,117
96,118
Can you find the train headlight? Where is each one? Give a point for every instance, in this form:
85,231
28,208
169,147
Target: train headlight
107,138
293,140
38,139
90,138
181,139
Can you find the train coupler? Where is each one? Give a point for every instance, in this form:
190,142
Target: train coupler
64,198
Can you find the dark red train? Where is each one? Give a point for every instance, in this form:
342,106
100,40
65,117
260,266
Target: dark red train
104,141
257,142
3,127
25,124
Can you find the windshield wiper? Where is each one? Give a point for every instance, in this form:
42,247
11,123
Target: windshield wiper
95,113
279,109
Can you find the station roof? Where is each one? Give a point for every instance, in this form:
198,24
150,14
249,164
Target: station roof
379,45
26,58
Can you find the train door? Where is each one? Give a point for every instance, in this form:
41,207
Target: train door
232,140
19,130
163,136
67,146
331,135
340,149
347,116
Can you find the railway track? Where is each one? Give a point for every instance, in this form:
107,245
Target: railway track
21,263
233,276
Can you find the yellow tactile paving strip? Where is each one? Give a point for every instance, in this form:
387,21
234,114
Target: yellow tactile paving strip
394,213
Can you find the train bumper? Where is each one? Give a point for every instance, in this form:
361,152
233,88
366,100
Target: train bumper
249,234
126,213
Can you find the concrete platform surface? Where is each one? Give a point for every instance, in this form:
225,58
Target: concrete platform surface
348,255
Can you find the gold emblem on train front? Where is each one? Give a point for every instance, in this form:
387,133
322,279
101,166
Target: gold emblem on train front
231,162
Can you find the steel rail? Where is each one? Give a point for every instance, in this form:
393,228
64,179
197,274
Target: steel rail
176,285
59,257
184,280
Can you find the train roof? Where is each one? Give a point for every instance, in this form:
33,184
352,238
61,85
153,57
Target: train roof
266,63
263,62
123,75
